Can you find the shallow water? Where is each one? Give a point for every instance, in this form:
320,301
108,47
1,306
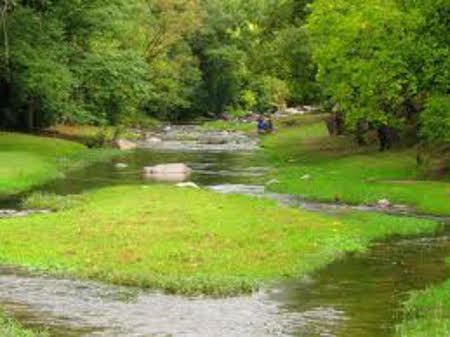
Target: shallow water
357,296
367,288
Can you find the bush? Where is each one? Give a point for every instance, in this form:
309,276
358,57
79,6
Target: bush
436,119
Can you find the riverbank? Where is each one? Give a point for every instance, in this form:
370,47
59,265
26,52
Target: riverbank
427,313
29,161
11,328
189,241
310,163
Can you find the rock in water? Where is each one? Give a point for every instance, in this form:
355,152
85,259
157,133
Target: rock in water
384,203
154,140
168,172
123,144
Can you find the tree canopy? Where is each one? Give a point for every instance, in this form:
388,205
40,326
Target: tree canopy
106,62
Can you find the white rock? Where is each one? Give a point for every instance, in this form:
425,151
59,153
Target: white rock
123,144
155,140
167,172
168,169
384,203
121,165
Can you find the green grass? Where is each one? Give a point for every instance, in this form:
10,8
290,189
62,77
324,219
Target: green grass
221,125
319,167
427,313
288,121
27,161
11,328
189,241
51,201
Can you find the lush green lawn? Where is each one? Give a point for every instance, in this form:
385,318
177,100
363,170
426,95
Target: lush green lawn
27,161
10,328
188,241
427,313
310,163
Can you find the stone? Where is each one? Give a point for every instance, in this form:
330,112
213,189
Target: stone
214,140
384,203
306,177
154,140
188,185
167,172
121,165
124,144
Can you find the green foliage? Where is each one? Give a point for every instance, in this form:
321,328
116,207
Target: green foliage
248,100
436,119
377,59
246,55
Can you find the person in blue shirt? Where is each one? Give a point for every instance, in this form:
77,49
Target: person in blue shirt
262,125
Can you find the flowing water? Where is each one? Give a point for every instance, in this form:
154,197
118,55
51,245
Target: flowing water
357,296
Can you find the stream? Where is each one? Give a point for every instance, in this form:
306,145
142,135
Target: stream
357,296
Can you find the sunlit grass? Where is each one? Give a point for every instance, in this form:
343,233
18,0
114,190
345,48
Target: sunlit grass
190,242
27,161
221,125
337,169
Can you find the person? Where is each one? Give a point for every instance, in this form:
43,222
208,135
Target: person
262,125
385,136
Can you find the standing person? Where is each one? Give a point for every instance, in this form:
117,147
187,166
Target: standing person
385,136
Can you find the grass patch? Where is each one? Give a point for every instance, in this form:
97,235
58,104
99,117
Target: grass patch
336,168
28,161
220,125
11,328
51,201
427,313
189,242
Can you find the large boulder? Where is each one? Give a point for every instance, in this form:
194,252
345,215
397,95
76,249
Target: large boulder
123,144
167,172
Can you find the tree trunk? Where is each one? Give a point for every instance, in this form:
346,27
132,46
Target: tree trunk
30,116
4,24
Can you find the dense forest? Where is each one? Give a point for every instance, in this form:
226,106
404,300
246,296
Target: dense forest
109,62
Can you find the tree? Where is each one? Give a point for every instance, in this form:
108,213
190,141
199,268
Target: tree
381,61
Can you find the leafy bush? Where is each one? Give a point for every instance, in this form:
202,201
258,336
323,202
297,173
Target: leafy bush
238,113
436,119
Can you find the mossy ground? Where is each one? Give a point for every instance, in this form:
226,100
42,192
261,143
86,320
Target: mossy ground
27,161
188,241
311,163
